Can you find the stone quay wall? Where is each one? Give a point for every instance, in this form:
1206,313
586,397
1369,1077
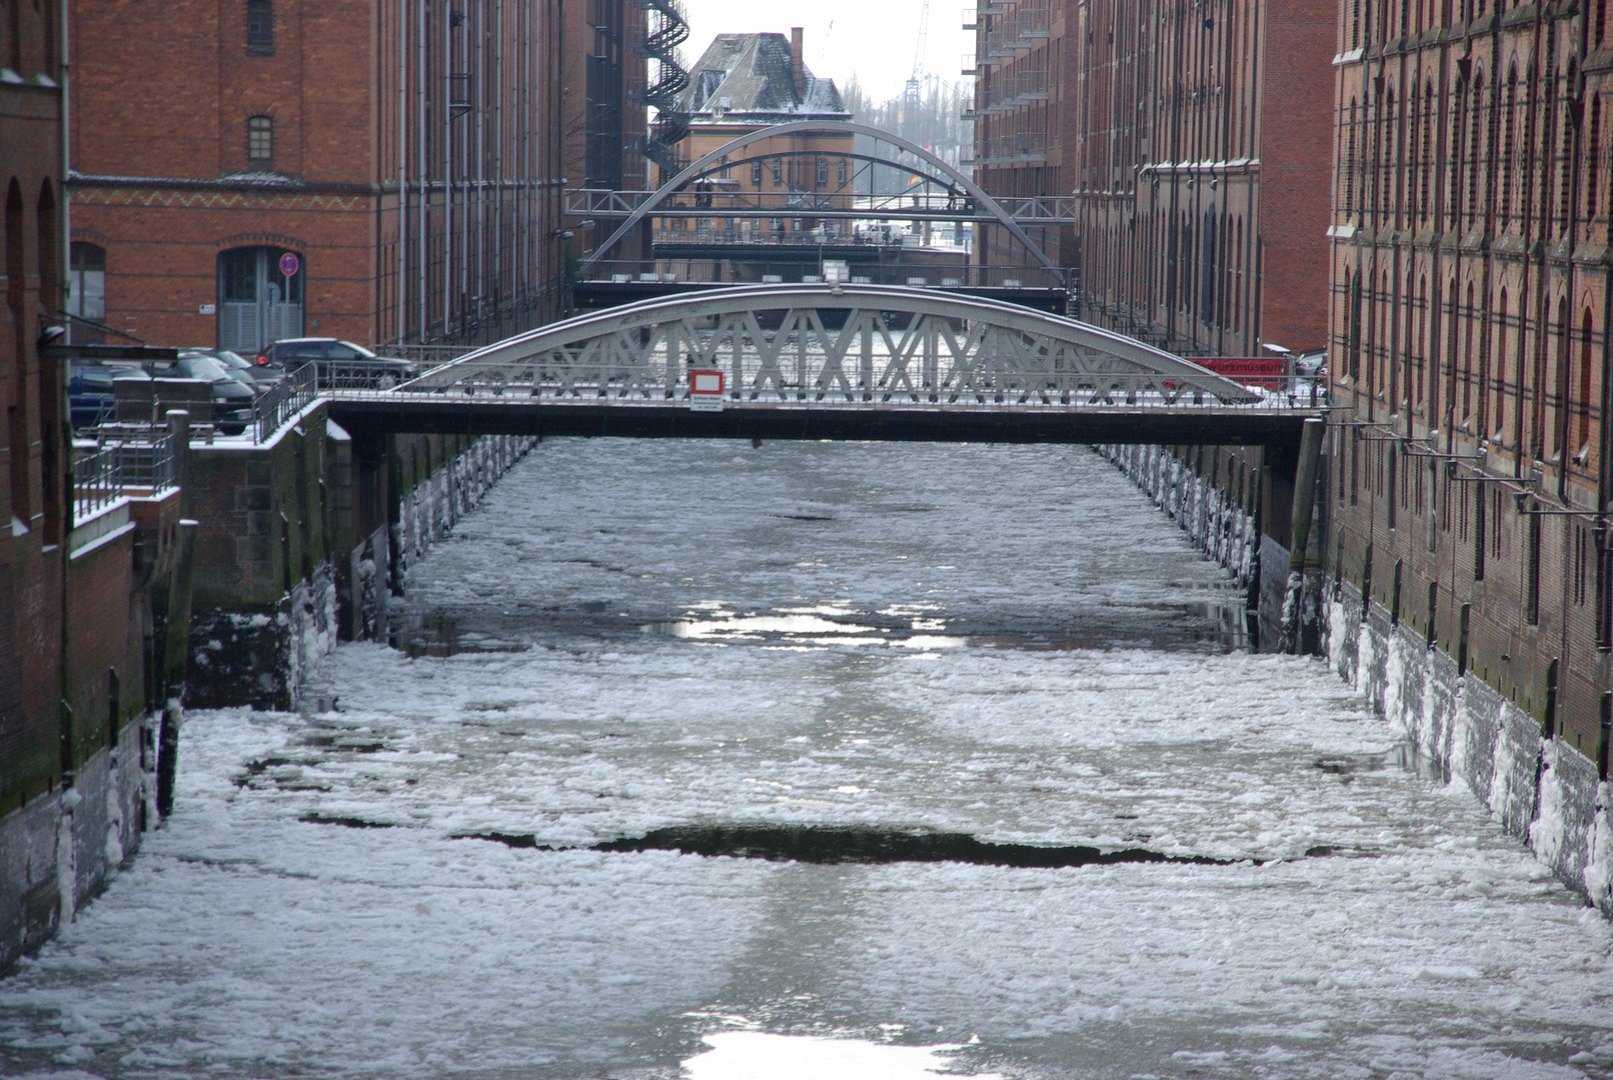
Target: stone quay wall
1543,790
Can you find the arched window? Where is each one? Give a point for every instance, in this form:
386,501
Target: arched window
50,261
1429,159
13,27
16,432
1352,328
1557,418
1209,278
1350,163
1498,420
1476,117
1593,158
1417,349
260,144
1388,159
259,27
1453,160
1582,405
1469,321
1509,150
86,282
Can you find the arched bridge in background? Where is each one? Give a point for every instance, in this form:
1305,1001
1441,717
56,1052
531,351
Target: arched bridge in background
701,229
963,200
818,361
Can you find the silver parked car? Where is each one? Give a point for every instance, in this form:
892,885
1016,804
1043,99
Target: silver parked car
338,365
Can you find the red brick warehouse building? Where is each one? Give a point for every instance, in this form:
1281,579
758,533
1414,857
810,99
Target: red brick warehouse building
32,442
1204,150
1024,120
83,571
1471,303
246,170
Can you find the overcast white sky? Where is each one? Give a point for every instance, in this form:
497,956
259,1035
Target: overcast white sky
875,39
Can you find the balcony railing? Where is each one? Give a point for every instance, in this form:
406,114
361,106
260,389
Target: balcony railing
119,470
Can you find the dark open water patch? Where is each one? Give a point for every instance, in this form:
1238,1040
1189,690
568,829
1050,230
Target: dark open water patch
821,844
316,818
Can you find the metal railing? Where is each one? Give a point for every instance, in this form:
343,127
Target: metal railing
115,471
281,402
422,356
935,204
758,383
745,232
954,274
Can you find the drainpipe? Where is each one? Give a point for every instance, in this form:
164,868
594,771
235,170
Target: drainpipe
448,224
401,289
176,623
476,175
421,171
66,871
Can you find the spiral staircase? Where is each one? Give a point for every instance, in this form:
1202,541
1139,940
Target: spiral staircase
665,30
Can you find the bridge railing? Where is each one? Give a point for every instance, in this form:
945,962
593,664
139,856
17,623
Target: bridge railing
954,274
756,382
282,401
937,205
422,356
115,471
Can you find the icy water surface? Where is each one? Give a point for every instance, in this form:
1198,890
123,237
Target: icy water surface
702,761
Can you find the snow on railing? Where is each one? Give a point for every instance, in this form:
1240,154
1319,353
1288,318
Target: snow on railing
119,470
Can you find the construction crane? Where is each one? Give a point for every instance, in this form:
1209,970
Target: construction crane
918,51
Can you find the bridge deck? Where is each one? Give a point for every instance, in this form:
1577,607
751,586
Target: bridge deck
596,294
1277,427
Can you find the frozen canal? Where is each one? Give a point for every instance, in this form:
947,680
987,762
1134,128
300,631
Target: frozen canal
817,760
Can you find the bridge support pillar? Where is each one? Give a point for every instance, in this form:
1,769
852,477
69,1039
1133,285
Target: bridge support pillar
374,514
1301,612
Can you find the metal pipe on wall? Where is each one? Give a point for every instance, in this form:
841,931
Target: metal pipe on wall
400,291
500,294
421,127
467,179
480,101
447,174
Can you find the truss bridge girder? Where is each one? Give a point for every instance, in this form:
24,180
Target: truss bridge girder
861,346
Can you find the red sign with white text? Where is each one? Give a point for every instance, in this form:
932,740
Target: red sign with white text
705,389
1266,372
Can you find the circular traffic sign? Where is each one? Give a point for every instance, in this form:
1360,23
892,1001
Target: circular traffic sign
290,264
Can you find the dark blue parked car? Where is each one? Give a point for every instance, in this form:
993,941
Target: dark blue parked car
90,397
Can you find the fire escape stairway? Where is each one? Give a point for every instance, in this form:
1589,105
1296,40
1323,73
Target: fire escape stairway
667,30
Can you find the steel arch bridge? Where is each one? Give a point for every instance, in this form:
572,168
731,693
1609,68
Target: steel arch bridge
828,361
983,206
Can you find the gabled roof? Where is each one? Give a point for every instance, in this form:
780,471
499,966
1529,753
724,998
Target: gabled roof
752,74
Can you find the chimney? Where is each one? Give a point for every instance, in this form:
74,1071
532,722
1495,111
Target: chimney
797,65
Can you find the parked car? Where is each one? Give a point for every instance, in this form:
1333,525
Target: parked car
259,378
232,398
338,365
91,399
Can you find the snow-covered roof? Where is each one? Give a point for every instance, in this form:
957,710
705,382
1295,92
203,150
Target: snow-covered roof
754,74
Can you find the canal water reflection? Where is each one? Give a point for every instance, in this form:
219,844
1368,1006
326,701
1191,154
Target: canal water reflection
698,760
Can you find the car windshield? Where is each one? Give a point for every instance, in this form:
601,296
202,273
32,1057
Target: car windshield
359,351
197,366
231,359
94,378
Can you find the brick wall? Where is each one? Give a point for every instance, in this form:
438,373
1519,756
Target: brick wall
1202,195
32,443
1470,304
417,215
